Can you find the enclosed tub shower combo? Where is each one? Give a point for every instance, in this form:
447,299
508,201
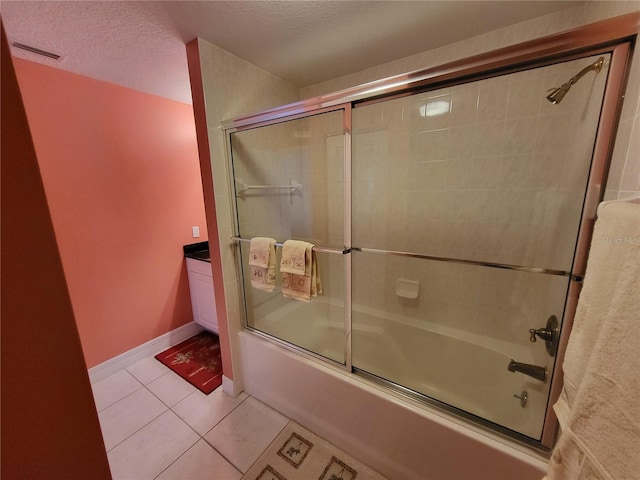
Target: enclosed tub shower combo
450,211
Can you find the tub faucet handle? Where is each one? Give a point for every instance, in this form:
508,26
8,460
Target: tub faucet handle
550,334
543,333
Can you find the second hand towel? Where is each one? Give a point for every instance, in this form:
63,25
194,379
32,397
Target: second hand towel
262,263
299,267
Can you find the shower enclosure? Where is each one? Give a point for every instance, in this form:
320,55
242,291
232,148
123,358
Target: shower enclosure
448,217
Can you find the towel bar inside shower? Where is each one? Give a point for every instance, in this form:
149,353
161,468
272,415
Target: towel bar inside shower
243,187
315,249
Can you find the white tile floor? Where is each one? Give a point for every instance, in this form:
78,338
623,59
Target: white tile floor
156,425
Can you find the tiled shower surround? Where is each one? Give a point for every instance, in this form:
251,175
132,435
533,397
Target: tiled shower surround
498,174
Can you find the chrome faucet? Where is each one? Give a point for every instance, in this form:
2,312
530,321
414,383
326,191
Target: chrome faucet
539,373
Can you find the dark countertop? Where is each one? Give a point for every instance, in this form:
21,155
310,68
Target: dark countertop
198,251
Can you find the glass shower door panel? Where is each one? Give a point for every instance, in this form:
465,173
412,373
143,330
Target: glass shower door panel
289,184
488,171
472,176
449,331
308,152
318,326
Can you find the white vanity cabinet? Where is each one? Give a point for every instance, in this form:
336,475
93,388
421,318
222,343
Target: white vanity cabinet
203,301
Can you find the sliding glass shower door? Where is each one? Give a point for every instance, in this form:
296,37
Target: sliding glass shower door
466,209
445,224
289,181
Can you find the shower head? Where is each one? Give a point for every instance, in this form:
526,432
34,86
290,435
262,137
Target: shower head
555,95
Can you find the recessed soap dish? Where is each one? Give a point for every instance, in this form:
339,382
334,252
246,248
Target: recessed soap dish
407,288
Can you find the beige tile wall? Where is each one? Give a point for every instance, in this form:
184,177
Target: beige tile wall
498,175
624,178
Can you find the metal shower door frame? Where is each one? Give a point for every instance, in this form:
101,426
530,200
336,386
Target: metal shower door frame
232,126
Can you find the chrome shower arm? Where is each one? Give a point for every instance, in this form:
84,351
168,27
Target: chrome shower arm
597,66
555,95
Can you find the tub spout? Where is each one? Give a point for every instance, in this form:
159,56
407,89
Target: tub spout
539,373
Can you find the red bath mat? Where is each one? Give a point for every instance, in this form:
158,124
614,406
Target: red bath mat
197,360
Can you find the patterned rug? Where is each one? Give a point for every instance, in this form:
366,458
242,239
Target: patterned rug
298,454
197,360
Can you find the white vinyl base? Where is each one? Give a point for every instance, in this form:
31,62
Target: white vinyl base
230,388
156,345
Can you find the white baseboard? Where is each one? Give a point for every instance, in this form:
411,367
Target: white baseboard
230,388
156,345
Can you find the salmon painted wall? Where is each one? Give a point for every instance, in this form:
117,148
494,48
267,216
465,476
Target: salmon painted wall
121,174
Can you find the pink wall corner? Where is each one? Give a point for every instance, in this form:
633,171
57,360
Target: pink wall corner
121,174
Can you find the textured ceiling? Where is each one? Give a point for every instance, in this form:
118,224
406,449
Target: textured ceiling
141,44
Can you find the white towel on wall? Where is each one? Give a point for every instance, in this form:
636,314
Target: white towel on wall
599,408
262,263
299,268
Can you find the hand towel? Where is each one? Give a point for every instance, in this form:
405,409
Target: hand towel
599,408
299,267
262,263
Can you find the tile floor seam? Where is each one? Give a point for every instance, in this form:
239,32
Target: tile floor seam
182,454
218,451
151,380
201,437
132,434
120,399
112,404
223,456
163,402
154,418
225,416
267,447
210,446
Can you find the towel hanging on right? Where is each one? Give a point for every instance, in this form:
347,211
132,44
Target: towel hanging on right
299,267
599,407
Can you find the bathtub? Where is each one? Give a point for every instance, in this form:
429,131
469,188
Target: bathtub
352,410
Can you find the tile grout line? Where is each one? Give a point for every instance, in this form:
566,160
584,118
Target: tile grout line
179,456
113,403
214,448
268,446
143,426
120,399
201,437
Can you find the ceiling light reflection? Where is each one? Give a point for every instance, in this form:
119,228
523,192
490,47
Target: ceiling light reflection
434,108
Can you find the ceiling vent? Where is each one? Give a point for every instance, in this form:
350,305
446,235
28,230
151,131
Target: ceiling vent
35,50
